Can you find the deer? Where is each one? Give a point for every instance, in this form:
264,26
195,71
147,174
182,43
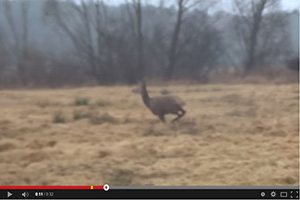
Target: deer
161,105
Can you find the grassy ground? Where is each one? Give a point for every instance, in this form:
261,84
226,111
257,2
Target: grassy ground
231,135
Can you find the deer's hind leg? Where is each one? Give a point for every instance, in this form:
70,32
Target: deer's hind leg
181,112
162,118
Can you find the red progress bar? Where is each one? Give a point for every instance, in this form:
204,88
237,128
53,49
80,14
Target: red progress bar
52,187
98,187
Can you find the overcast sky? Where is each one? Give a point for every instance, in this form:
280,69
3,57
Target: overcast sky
290,4
287,4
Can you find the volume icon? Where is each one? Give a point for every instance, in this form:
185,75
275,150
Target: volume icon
25,194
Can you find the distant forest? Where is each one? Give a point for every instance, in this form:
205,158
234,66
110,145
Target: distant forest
53,43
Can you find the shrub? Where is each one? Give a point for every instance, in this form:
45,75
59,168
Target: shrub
81,101
59,118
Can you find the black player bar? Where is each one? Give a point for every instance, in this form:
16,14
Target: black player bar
150,193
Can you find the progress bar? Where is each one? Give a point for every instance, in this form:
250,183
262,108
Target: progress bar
51,187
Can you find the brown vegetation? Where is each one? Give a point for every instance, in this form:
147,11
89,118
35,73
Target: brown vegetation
232,135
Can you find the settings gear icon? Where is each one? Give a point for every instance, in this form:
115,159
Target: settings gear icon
273,194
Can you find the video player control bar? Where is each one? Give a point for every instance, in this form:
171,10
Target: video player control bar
105,192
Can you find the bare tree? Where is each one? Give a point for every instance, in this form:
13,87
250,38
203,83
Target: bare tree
183,6
94,42
273,46
249,26
201,46
135,14
3,53
19,35
82,24
173,49
140,49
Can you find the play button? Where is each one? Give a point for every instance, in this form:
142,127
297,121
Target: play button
8,194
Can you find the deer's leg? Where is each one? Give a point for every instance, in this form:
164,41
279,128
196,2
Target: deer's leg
162,118
180,114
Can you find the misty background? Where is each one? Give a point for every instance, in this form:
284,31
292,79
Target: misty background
53,43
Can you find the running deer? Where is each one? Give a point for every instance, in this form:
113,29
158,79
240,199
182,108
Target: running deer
161,105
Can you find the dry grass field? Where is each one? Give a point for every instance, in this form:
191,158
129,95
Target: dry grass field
232,135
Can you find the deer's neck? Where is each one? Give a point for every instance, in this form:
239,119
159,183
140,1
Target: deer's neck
145,96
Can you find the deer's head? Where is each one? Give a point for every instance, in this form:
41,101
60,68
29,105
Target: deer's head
137,90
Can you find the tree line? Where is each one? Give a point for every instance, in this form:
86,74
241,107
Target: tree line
104,44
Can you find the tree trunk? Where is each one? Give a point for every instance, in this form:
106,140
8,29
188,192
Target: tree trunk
172,57
140,40
257,18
